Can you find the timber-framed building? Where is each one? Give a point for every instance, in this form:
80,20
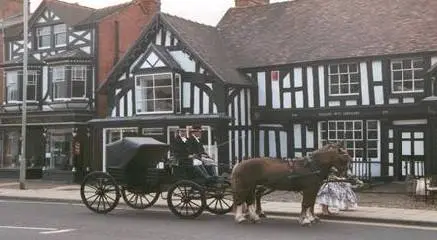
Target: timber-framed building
281,79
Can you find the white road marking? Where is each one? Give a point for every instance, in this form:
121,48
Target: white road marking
41,230
28,228
58,231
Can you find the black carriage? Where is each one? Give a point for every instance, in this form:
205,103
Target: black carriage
139,171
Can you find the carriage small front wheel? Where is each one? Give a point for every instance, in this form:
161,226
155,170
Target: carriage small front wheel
219,198
138,199
186,199
100,192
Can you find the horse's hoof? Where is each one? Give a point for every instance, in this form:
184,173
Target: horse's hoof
241,220
306,224
316,220
262,215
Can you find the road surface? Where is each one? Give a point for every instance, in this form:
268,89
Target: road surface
42,220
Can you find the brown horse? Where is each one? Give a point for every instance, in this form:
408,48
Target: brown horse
252,177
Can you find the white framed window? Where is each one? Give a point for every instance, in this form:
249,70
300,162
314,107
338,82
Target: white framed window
78,81
43,37
59,83
154,93
12,86
32,85
355,133
344,79
406,75
60,32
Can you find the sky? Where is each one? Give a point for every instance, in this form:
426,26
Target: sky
202,11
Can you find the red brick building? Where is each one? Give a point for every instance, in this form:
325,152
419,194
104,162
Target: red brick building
72,48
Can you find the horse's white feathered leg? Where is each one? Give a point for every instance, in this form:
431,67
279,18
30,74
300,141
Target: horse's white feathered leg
310,215
239,216
252,213
303,219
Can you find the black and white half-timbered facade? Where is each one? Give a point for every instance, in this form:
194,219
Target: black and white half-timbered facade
282,79
61,82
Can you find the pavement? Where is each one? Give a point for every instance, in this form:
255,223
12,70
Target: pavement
52,192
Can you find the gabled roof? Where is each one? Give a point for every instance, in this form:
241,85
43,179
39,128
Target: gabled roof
205,42
200,40
99,14
312,30
70,13
163,55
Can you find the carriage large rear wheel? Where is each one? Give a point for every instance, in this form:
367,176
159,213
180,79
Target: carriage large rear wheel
138,199
219,199
186,199
100,192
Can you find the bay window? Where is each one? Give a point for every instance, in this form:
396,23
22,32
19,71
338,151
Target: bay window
59,83
155,93
32,85
78,81
12,86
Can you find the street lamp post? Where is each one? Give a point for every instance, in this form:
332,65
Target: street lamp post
24,97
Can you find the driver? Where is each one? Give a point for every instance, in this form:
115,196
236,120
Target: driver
195,148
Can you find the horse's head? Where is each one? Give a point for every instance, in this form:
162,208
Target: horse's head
334,155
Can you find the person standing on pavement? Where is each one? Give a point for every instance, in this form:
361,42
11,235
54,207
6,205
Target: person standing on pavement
337,193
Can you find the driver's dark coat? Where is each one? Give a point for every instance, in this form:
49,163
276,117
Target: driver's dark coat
180,149
195,147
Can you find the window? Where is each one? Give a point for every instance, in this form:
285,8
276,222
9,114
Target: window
43,37
407,76
354,133
59,83
12,86
32,85
344,79
78,81
154,93
60,32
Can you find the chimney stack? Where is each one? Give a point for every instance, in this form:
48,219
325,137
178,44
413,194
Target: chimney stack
250,3
150,6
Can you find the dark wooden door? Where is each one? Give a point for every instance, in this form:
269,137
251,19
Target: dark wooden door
409,152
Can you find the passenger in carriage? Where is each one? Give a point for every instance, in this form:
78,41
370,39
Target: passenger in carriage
182,155
196,149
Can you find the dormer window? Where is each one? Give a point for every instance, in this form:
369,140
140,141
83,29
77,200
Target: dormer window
43,37
60,32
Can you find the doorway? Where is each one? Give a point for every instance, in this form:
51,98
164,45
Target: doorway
409,152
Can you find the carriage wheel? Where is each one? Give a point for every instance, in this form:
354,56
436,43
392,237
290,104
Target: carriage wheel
219,199
139,199
186,199
99,192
